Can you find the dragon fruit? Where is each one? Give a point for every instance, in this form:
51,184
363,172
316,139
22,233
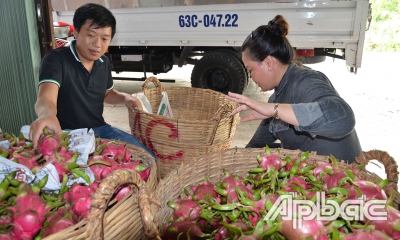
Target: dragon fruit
230,185
114,149
5,233
50,142
334,180
122,191
204,189
81,207
185,209
64,161
26,157
235,231
57,221
230,180
297,181
310,229
101,170
16,143
137,166
77,191
268,159
391,226
320,167
367,188
260,204
28,213
27,225
362,234
232,194
94,186
356,171
184,230
80,198
5,219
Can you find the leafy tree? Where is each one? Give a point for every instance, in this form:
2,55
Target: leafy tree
384,32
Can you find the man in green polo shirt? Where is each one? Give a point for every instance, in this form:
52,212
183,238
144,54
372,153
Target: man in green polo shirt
75,81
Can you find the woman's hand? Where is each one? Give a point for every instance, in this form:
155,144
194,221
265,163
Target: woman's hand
262,110
259,110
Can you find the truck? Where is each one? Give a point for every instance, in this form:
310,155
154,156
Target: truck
153,36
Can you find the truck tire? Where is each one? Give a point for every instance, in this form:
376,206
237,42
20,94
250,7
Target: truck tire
311,59
239,57
219,71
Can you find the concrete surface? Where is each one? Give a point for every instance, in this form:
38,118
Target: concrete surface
373,94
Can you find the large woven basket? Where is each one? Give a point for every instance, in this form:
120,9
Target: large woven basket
239,161
201,124
111,219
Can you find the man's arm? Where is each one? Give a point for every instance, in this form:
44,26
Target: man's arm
114,97
46,111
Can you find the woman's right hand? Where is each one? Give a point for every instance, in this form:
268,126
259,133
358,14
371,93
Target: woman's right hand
259,110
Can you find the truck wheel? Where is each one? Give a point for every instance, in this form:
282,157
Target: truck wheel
239,57
311,59
219,71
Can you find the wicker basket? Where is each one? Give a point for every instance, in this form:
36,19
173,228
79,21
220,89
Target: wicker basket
116,220
201,124
239,161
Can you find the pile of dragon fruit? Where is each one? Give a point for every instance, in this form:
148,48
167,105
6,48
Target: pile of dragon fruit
281,199
28,212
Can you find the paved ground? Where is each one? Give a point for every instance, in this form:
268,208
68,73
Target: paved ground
373,94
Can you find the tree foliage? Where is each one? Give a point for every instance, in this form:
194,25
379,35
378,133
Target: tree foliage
384,32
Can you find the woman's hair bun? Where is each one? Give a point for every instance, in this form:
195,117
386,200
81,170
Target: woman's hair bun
279,26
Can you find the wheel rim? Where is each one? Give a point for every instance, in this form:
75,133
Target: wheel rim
217,79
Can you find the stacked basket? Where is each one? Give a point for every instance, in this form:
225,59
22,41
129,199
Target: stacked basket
239,161
201,124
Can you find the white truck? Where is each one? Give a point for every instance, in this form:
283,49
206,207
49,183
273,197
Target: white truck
155,35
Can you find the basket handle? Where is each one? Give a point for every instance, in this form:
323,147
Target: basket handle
103,195
153,80
388,162
222,111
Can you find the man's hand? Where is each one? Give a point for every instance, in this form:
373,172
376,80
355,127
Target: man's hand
46,110
131,103
115,97
39,124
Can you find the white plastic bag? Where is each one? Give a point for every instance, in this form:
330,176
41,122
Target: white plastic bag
145,102
165,108
23,173
82,141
